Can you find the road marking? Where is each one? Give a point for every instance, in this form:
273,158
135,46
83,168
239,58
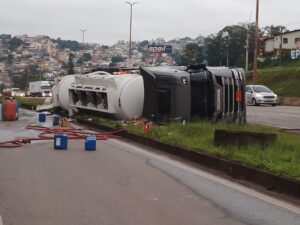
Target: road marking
1,222
199,172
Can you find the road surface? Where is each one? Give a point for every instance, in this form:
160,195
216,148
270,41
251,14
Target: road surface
279,116
121,183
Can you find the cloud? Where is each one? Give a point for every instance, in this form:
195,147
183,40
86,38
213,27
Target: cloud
107,21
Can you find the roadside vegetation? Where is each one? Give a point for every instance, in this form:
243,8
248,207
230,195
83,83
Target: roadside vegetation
284,81
282,158
28,102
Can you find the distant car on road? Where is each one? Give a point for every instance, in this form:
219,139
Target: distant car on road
17,92
260,94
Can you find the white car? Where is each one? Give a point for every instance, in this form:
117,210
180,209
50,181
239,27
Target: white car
260,94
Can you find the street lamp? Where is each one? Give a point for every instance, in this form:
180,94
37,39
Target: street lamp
82,36
82,47
130,28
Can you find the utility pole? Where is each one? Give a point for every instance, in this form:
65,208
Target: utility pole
130,29
280,46
256,39
247,50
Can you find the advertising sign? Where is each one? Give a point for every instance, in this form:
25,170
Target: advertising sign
159,49
295,54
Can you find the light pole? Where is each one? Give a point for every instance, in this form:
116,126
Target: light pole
226,36
256,43
83,31
130,28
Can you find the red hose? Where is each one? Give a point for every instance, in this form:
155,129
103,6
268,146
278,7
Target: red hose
48,133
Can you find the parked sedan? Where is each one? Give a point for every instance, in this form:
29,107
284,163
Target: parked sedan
259,94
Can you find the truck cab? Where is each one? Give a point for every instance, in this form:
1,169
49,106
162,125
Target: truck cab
180,92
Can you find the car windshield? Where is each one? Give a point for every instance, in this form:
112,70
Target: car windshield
261,89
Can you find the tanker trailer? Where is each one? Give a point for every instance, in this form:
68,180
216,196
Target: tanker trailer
121,96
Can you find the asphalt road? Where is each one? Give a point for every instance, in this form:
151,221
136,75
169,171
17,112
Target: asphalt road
121,183
280,116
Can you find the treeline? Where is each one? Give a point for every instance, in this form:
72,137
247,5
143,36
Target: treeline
228,46
12,42
62,44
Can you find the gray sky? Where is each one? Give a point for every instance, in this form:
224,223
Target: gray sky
107,21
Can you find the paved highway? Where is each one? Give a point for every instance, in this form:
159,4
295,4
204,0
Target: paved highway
280,116
121,183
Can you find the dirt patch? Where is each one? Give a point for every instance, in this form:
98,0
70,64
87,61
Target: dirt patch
289,101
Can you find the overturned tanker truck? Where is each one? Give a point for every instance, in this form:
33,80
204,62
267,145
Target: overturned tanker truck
158,93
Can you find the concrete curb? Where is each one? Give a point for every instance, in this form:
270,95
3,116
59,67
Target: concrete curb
263,178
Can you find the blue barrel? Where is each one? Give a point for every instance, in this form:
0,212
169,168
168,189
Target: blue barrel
55,120
42,117
90,143
60,141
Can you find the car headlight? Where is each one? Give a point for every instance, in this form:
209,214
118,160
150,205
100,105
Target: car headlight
43,94
259,95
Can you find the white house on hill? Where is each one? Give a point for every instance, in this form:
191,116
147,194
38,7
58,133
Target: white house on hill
289,40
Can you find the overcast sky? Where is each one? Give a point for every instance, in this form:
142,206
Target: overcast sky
107,21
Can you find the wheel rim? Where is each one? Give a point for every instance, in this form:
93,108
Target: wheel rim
253,102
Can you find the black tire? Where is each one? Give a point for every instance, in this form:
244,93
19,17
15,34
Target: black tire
274,104
254,101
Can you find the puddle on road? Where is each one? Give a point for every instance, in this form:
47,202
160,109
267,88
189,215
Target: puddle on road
10,130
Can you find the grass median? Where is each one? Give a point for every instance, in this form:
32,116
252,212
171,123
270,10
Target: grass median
282,158
28,102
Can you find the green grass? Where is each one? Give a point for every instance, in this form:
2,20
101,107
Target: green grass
282,158
284,81
30,101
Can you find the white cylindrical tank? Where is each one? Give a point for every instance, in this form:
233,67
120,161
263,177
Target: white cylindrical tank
120,95
61,91
129,97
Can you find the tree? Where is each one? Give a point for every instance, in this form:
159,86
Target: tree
70,64
116,59
14,43
86,57
176,56
191,54
230,41
10,59
144,43
67,44
5,38
272,30
20,81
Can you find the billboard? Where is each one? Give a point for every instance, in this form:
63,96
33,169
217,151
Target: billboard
295,54
159,49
